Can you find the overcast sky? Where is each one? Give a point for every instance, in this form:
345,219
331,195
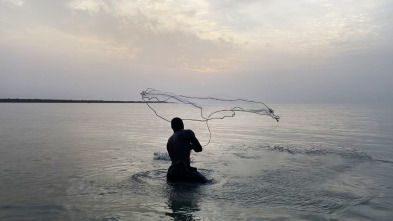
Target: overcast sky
268,50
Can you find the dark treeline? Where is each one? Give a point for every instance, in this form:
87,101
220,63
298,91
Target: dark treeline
17,100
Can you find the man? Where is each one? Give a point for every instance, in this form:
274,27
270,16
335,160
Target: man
179,147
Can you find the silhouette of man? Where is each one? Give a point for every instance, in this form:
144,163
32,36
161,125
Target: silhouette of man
179,147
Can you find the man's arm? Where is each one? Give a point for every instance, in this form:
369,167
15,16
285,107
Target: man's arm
196,146
169,147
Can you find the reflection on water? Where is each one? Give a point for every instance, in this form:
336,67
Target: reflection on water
96,162
183,200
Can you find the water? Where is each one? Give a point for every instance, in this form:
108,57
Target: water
96,162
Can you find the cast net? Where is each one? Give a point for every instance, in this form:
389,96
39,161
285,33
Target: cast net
167,105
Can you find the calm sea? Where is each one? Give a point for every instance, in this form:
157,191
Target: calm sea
97,162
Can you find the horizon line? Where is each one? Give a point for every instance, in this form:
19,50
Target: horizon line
40,100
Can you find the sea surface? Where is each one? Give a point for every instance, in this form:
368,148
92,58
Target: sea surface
108,162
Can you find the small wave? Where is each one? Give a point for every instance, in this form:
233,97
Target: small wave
32,212
245,156
348,153
384,161
154,183
157,176
38,208
152,176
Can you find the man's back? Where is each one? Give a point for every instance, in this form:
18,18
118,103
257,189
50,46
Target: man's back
180,145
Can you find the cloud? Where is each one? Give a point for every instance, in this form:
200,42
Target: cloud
159,16
14,2
169,33
91,6
212,36
225,35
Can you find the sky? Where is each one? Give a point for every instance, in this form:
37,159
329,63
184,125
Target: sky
277,51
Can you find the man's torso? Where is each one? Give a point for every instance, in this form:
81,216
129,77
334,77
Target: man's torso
179,146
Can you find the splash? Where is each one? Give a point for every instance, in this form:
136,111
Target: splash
202,109
161,156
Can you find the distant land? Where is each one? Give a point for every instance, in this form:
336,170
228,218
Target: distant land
18,100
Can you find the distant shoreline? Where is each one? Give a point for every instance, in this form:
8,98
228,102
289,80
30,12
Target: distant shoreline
18,100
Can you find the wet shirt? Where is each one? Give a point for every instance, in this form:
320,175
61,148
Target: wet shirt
180,145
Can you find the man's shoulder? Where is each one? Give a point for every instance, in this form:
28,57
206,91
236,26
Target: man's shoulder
189,132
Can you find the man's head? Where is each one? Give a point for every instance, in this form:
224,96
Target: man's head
177,124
